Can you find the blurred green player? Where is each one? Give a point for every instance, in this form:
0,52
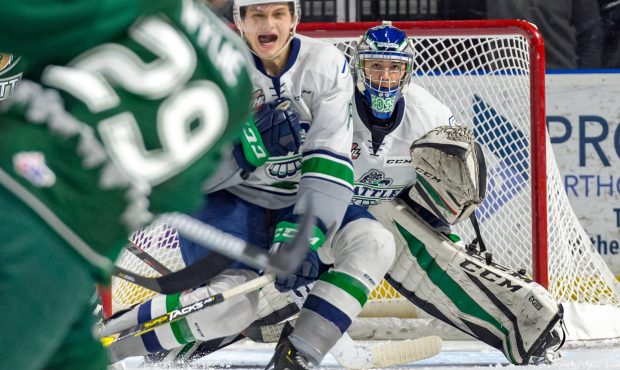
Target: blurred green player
121,113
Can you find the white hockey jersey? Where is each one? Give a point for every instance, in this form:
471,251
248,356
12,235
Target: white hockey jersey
317,80
382,170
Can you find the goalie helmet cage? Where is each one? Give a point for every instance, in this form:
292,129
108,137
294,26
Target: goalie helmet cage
491,74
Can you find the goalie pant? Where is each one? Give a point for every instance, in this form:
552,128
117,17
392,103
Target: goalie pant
485,300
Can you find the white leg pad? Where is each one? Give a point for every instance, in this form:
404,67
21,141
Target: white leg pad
485,300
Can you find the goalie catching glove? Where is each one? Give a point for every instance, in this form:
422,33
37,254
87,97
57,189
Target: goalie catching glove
451,173
273,132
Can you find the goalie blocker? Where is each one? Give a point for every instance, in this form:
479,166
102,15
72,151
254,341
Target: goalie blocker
488,301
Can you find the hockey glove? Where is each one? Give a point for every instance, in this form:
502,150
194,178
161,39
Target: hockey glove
273,132
309,269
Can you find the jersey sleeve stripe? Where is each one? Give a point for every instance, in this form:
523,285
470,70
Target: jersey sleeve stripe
272,190
324,152
328,168
329,179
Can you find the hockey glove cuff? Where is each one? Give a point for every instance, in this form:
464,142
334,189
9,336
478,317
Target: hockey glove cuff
250,153
308,271
286,231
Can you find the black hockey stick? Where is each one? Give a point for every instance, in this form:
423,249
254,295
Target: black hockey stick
285,261
213,263
228,248
265,330
186,278
145,257
185,311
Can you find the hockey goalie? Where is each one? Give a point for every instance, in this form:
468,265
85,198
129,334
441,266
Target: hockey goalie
458,284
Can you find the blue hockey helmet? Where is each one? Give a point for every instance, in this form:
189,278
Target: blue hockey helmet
383,62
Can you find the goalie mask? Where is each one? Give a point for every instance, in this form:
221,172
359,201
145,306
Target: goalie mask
451,173
383,63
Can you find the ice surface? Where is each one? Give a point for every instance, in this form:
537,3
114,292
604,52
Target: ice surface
455,355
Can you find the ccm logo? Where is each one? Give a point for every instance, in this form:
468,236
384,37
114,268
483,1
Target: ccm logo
397,161
490,276
428,175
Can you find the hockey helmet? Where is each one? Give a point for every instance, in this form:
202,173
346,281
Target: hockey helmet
238,4
451,173
378,45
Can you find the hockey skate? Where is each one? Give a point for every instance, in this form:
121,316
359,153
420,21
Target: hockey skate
286,356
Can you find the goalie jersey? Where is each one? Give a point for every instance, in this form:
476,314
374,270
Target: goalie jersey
381,151
318,82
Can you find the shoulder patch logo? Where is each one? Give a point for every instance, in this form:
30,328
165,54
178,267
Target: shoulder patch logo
258,99
355,151
289,166
32,167
8,77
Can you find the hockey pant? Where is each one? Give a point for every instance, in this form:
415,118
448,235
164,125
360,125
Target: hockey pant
485,300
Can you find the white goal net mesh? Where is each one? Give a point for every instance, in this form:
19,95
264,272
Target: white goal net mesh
485,76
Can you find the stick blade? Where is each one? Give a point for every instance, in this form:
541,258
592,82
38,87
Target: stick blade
352,355
402,352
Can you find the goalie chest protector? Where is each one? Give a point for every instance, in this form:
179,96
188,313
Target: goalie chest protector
382,172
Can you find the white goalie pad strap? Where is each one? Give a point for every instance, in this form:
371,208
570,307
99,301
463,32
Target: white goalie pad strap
489,302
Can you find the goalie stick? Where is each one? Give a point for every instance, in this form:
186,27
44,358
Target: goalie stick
352,355
187,310
347,352
228,248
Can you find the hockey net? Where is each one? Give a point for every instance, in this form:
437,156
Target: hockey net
491,74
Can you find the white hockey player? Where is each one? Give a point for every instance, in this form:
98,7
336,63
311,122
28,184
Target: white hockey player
302,92
390,113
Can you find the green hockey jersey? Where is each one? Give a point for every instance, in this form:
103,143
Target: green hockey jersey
98,143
